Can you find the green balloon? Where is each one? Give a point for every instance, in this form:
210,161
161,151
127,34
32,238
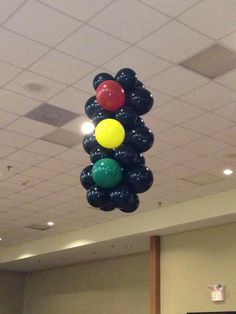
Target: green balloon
107,173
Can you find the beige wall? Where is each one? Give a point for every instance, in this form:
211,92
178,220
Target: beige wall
11,292
192,260
114,286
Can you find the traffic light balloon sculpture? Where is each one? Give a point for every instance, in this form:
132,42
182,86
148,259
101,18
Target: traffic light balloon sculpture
118,172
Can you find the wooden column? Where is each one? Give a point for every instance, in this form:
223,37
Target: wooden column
155,293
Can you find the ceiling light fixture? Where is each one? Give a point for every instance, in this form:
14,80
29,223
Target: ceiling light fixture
228,172
0,239
50,223
87,127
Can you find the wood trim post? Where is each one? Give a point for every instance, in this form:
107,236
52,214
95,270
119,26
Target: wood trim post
155,292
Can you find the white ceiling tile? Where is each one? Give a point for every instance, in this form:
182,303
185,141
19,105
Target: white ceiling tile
11,186
228,79
24,180
208,124
7,118
5,151
72,155
92,45
205,145
19,50
178,156
57,165
8,7
213,18
8,72
30,127
156,124
226,154
142,62
228,111
224,185
159,98
170,7
36,191
51,186
177,111
41,173
45,203
86,83
175,42
59,198
16,167
71,99
45,148
76,171
178,136
13,139
176,81
62,68
65,179
16,103
227,136
157,165
210,96
205,163
26,157
41,23
49,87
133,16
81,9
230,41
180,171
163,147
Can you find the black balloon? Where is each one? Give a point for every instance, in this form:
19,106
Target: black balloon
91,106
125,155
89,142
127,117
121,196
139,84
108,207
99,115
86,177
139,179
140,100
132,206
97,197
141,139
101,77
99,152
139,160
139,123
127,79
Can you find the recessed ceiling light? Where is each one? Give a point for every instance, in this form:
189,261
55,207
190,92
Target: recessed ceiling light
35,87
87,127
50,223
228,172
0,239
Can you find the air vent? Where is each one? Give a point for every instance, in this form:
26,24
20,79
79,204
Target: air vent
38,227
51,115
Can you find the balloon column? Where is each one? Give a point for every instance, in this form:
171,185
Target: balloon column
118,172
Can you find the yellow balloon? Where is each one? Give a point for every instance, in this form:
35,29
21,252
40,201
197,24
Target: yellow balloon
110,133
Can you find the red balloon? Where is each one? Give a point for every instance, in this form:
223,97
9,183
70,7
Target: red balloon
110,95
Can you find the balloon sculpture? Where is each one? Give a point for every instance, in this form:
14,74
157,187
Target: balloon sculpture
118,172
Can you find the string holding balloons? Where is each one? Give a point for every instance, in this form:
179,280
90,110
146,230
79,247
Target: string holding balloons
118,171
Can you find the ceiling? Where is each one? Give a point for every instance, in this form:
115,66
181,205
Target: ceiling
57,47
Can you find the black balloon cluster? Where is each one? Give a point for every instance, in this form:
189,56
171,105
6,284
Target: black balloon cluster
118,172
